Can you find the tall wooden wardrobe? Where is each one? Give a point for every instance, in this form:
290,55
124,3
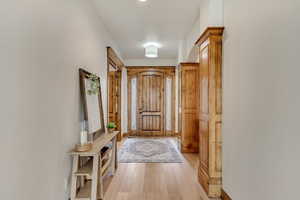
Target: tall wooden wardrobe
210,110
188,123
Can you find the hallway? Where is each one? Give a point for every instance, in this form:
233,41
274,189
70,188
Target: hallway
220,76
156,181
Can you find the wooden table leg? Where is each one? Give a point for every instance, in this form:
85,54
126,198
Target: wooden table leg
100,182
114,156
74,177
95,177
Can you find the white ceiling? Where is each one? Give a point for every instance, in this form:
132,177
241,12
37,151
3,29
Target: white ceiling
133,23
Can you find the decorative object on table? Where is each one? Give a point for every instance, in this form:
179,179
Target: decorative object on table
84,145
94,84
83,137
92,104
149,150
111,127
83,133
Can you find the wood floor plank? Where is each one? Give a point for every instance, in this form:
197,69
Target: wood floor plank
156,181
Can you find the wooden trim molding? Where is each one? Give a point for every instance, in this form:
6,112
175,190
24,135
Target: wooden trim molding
113,58
150,67
225,196
210,31
138,69
125,134
189,63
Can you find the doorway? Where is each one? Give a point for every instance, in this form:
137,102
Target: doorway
114,80
114,94
151,101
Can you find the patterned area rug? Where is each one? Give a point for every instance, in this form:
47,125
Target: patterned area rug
149,150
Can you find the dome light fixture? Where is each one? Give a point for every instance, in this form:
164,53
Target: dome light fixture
142,3
151,50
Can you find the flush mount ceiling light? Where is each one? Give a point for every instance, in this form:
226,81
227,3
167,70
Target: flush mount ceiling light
142,3
151,50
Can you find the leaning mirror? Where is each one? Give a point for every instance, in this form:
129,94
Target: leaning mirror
90,88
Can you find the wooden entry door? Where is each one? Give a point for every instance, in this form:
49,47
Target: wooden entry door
151,103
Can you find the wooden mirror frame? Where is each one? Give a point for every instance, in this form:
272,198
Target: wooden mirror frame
83,74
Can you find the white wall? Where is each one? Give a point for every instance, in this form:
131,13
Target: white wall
181,51
42,45
210,14
261,99
190,40
151,62
216,13
204,14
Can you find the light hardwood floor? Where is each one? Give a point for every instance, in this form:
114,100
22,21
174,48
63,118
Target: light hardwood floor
155,181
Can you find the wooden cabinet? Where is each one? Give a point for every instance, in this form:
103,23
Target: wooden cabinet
210,111
188,82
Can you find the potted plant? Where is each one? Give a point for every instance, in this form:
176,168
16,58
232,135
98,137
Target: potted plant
111,127
94,84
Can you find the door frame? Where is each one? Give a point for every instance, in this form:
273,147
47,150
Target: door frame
133,72
114,61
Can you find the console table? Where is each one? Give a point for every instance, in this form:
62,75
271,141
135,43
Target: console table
91,166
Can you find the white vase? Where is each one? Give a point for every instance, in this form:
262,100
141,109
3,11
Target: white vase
83,137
